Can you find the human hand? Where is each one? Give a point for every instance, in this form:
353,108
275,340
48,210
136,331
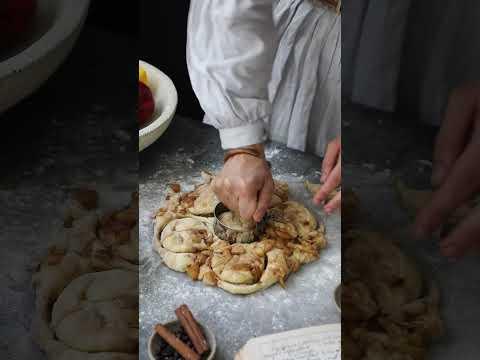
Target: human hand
245,185
331,176
455,176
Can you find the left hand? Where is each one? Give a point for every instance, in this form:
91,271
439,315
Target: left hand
331,176
455,174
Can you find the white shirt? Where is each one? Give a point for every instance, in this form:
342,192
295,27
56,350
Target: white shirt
249,59
230,51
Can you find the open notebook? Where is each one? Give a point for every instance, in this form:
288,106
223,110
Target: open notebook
313,343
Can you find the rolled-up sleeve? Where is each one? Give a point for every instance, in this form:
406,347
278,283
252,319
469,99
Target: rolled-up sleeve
230,51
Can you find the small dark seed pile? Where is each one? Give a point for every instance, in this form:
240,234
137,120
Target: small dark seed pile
163,351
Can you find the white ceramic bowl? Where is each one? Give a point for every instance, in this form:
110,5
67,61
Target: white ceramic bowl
174,324
57,26
166,98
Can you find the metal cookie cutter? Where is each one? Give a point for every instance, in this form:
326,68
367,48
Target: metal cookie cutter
232,235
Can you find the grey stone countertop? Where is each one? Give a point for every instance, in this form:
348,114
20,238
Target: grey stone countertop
185,149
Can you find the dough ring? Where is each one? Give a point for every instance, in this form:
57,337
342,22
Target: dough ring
187,243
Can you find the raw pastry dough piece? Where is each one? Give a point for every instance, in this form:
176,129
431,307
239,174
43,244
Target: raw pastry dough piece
292,238
200,201
238,264
205,201
386,311
235,222
392,275
89,242
296,214
129,250
357,302
276,270
187,235
176,261
98,312
280,193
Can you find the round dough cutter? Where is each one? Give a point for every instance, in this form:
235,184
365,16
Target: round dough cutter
232,235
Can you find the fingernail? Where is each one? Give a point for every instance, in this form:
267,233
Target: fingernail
438,175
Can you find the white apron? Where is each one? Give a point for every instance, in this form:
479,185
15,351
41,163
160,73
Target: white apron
305,88
267,67
433,44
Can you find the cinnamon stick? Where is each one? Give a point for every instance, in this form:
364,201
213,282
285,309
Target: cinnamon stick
192,329
176,343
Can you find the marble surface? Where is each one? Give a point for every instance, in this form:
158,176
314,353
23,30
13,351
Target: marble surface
178,156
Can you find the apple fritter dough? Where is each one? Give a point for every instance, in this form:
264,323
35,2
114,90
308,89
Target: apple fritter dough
292,212
81,311
186,243
98,312
187,235
387,311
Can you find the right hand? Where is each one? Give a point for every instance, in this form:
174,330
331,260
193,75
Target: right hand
331,176
455,174
245,186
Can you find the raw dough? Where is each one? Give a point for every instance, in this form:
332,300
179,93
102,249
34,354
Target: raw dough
187,235
186,243
292,212
277,270
235,222
98,312
387,312
81,311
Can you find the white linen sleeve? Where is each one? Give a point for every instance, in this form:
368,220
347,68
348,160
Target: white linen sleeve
230,51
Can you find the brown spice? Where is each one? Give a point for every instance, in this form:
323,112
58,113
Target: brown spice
175,187
192,329
176,343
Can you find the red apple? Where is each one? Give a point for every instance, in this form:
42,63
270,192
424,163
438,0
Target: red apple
16,19
146,104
